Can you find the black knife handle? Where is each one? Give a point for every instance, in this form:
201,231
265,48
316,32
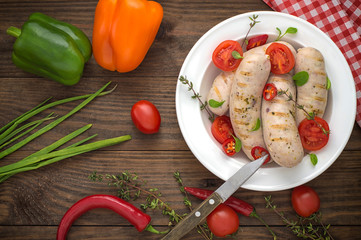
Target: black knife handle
194,218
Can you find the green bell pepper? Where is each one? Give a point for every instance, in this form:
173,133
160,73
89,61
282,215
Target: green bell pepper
51,49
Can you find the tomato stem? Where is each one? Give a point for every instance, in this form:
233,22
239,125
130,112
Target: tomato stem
151,229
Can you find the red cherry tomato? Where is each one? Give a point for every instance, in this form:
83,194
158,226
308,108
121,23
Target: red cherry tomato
258,152
222,55
257,41
269,92
305,201
281,57
145,117
223,221
229,146
312,136
222,128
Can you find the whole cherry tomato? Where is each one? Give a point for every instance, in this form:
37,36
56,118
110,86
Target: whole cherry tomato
313,137
223,221
305,201
222,56
222,128
146,117
281,57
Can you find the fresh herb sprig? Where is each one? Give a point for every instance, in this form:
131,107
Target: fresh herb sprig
251,25
310,116
290,30
131,187
204,105
202,229
303,227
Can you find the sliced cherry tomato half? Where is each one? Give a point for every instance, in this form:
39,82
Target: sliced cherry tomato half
229,147
313,137
281,57
305,201
269,92
258,152
222,55
223,221
257,41
222,128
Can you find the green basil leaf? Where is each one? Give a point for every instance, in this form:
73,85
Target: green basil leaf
238,144
328,84
291,30
314,159
215,104
236,55
301,78
257,125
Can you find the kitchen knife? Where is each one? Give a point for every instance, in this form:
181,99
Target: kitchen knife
219,196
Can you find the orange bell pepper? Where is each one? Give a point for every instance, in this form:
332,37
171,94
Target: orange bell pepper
123,32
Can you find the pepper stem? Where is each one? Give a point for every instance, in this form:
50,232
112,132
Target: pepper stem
151,229
14,31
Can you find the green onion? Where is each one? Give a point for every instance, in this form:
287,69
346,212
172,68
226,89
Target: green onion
60,154
51,125
60,142
34,124
22,115
44,163
48,155
13,124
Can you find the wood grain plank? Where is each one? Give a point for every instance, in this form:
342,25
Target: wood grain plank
130,233
42,196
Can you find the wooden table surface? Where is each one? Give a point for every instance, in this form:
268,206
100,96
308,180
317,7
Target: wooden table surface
33,203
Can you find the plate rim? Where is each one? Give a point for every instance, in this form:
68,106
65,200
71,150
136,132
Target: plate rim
180,89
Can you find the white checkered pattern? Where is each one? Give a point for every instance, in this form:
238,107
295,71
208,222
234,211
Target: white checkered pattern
341,20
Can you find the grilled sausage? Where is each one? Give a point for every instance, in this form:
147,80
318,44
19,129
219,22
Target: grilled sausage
245,100
220,91
312,95
279,124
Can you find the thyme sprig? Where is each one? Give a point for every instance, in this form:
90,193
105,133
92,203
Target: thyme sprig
251,25
204,105
131,187
202,229
303,227
310,116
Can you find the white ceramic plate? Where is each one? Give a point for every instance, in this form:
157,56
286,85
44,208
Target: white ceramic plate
199,69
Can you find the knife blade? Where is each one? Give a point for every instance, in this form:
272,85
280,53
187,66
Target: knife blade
219,196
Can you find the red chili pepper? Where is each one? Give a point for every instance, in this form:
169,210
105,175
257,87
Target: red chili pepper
136,217
236,204
258,152
257,41
269,92
229,146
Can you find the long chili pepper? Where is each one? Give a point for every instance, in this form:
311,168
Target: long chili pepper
135,216
236,204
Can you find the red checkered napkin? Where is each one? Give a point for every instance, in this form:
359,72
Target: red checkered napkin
340,20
